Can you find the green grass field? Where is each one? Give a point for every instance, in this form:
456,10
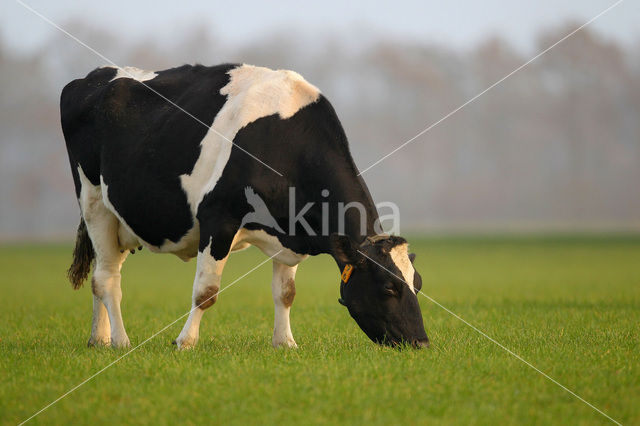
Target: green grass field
569,305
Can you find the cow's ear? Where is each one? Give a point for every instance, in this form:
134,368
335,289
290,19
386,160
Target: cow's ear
344,249
412,257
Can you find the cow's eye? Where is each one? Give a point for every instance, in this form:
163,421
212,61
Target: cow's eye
390,289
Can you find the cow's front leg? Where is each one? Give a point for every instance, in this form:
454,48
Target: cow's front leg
206,286
283,288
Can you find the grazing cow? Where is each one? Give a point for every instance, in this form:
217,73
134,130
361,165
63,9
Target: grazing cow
203,161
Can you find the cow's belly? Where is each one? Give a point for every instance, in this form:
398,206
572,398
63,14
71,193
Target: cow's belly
268,244
186,248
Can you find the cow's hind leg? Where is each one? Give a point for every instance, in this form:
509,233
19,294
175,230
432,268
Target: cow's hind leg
206,286
283,288
105,283
100,325
102,226
83,257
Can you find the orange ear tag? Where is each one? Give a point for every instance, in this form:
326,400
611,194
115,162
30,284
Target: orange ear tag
346,272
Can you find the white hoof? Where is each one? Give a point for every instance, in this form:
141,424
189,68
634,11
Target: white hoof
286,342
99,341
187,342
121,343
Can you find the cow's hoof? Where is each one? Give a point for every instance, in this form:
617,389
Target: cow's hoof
284,343
98,341
185,343
120,343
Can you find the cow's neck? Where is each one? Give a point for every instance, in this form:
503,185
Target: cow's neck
341,194
353,227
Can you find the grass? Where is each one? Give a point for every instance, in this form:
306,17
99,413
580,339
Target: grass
570,305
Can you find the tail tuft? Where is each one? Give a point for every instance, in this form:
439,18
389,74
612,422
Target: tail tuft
83,256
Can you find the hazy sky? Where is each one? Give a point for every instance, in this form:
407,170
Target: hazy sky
458,23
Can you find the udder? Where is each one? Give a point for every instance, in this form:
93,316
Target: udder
127,240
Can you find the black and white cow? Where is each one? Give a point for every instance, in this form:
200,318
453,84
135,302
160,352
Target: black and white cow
147,172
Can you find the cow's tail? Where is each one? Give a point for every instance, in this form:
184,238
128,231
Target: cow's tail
83,256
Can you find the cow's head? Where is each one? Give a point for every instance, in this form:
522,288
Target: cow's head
379,287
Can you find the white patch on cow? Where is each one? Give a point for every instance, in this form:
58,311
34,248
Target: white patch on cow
252,93
124,228
89,193
93,210
400,256
269,245
134,73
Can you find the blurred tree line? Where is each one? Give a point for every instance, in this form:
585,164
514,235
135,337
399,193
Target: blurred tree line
554,147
